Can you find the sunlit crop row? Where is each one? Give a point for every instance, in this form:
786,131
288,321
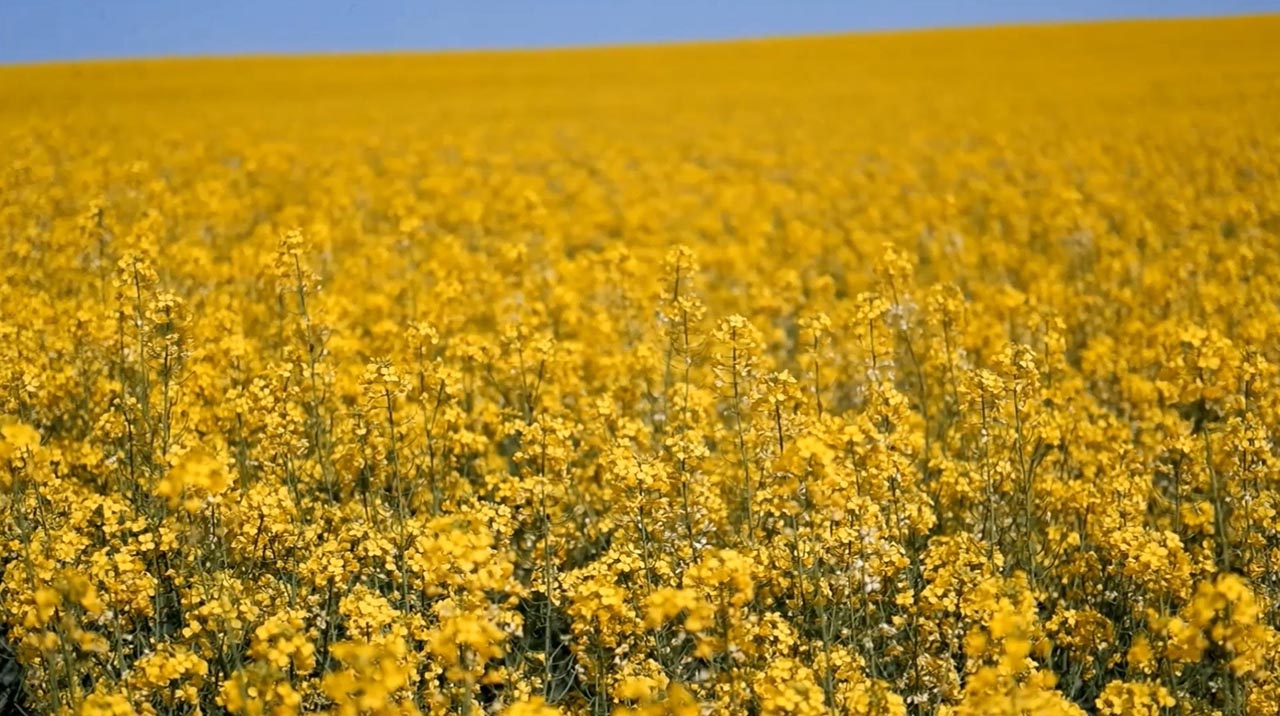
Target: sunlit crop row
934,373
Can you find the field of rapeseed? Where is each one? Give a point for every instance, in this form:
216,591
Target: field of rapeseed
932,373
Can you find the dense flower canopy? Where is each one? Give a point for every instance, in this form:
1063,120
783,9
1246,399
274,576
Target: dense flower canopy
932,373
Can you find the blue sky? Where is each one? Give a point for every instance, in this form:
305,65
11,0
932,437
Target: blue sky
44,30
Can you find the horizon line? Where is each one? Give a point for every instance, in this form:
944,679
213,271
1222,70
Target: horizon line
674,43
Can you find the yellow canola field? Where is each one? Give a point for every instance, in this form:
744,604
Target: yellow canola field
921,373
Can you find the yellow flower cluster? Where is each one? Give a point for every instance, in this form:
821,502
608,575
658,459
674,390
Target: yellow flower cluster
933,373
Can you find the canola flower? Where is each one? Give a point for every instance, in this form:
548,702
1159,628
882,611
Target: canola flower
927,373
